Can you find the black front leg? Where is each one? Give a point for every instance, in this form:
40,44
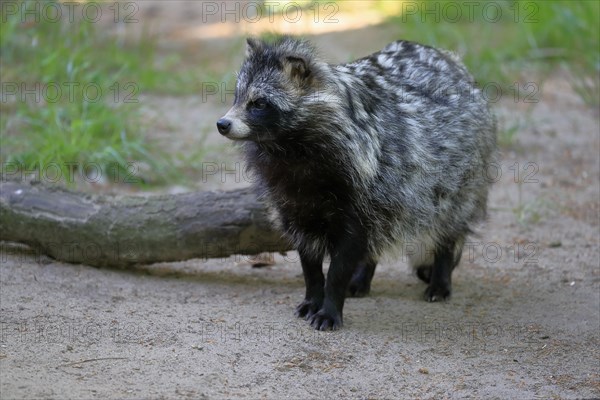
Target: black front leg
312,268
360,284
446,257
345,252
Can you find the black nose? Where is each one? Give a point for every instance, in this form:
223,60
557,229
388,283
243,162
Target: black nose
223,125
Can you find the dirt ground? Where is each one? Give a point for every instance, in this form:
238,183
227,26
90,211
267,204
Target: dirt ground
523,322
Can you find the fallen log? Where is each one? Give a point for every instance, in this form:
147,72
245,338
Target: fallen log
120,231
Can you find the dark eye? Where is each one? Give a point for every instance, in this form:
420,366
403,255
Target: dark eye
259,104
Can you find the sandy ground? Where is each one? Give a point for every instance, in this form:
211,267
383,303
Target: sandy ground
523,321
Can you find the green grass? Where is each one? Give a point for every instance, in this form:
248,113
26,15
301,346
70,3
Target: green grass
90,110
529,34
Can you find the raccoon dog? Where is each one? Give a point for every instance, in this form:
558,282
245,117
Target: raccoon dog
354,159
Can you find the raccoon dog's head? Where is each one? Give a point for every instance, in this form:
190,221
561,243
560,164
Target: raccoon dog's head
271,92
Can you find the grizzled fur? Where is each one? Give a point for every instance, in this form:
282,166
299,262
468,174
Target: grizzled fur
357,158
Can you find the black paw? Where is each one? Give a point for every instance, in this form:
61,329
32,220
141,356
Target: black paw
325,320
437,293
359,287
308,308
424,273
360,283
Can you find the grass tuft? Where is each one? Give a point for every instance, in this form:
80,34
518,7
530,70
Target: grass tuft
72,94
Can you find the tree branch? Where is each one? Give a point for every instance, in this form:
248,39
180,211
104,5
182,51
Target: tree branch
121,231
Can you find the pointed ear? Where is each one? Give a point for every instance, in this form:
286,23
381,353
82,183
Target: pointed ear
297,68
252,45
